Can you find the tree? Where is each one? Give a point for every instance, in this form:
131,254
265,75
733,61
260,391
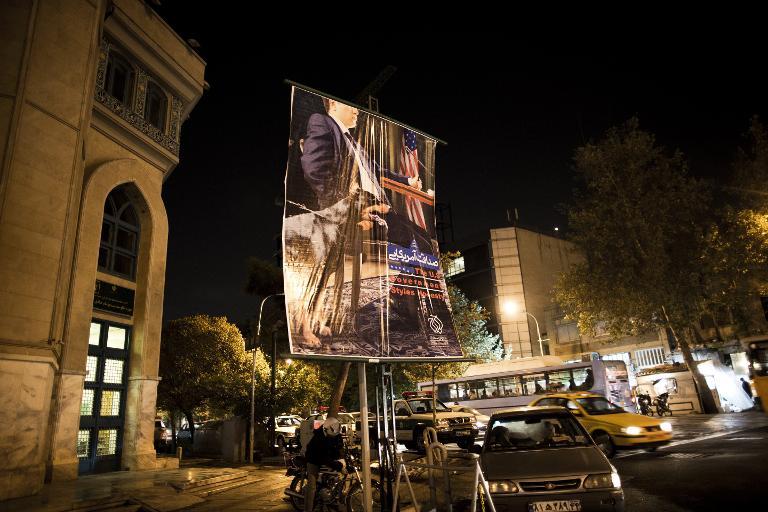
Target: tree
203,364
737,262
264,278
640,221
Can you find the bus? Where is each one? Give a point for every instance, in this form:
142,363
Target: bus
492,386
758,370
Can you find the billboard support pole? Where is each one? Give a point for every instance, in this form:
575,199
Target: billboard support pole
365,442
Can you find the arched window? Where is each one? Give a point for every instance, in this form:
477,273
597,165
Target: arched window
156,106
119,247
119,80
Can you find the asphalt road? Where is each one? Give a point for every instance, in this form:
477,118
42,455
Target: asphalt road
726,472
717,462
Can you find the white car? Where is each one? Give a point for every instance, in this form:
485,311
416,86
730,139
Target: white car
347,421
481,420
285,430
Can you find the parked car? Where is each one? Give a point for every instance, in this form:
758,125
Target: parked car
286,430
609,425
481,420
414,413
357,438
347,421
162,437
185,434
541,458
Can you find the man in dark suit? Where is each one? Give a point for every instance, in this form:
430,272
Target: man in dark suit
334,163
341,174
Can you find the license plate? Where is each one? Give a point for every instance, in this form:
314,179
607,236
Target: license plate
554,506
462,432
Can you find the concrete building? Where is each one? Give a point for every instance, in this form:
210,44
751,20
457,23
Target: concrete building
93,94
512,273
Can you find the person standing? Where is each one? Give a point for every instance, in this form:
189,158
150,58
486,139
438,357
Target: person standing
324,449
747,388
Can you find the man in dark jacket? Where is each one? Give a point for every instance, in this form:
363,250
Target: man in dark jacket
324,449
747,388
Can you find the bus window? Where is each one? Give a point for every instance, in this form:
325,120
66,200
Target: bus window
534,384
510,386
480,389
558,382
462,391
583,379
446,392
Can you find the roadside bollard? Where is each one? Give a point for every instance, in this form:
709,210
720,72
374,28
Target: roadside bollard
179,451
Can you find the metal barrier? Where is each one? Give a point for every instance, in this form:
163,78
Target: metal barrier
469,481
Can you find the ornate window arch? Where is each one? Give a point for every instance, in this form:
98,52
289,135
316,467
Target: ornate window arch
156,106
119,78
120,228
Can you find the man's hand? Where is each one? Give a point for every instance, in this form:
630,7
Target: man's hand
376,208
415,182
371,214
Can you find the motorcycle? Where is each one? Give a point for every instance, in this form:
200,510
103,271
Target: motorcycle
335,489
662,404
644,403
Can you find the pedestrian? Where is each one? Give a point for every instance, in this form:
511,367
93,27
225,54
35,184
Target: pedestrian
747,388
324,449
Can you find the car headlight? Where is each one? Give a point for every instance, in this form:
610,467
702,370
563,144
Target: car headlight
503,486
666,426
603,481
442,424
479,424
632,431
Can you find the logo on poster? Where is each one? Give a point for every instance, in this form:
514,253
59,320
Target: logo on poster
435,324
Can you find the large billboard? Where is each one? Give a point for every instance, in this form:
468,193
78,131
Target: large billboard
360,258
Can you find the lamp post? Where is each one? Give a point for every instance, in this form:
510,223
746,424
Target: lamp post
510,307
253,376
538,333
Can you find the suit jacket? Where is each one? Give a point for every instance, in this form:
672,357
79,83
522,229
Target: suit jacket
328,162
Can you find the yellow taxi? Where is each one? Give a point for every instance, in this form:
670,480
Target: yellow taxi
609,425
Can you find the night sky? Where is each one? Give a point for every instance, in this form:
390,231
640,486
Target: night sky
512,115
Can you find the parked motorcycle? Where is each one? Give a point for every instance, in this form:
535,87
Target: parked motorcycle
662,404
335,490
644,403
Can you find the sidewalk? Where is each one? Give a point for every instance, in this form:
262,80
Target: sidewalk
691,426
164,490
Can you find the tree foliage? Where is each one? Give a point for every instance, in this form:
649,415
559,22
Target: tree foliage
641,222
298,386
203,365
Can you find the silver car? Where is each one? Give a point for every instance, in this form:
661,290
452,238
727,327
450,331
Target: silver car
541,459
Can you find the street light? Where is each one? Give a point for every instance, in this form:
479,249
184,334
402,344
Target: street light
511,307
253,377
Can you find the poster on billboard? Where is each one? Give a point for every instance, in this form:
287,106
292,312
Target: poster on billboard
361,262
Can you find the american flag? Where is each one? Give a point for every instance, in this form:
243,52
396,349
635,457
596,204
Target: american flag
409,166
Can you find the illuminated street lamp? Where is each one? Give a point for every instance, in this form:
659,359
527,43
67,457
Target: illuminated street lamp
511,307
